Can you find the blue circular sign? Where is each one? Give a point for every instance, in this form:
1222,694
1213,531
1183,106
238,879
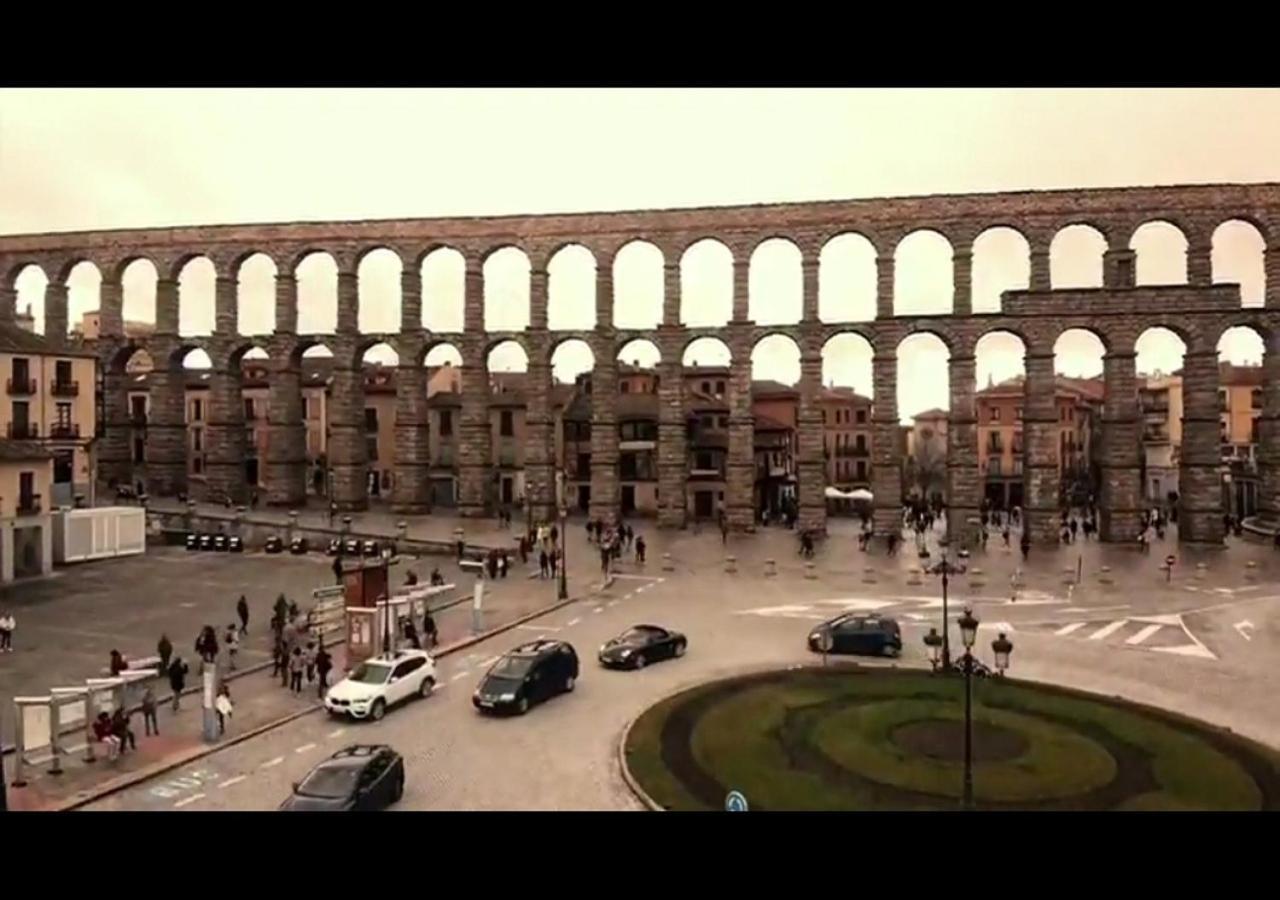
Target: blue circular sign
735,802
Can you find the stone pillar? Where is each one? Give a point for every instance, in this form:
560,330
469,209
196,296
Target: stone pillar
111,308
540,464
225,305
225,448
348,301
539,286
348,453
809,274
886,445
884,287
1121,501
411,492
1199,478
115,451
475,433
55,311
740,470
604,293
741,288
962,276
964,481
286,470
166,309
1040,272
1200,263
810,465
671,295
286,304
1041,477
8,305
673,451
1268,450
410,300
604,431
1271,274
166,440
1119,268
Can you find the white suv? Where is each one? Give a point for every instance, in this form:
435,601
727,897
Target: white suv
381,681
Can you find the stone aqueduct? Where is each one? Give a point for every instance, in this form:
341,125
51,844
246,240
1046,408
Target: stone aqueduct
1198,311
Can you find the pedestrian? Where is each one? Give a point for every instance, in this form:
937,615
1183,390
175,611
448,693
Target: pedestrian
1066,535
177,679
309,660
232,640
293,610
296,666
502,565
223,706
1073,525
121,729
604,560
207,645
555,534
984,538
280,661
524,550
118,664
150,724
491,563
6,632
1004,533
552,559
640,549
893,544
242,610
429,629
337,569
333,511
1025,545
411,635
590,528
724,530
436,577
410,578
542,563
102,732
324,664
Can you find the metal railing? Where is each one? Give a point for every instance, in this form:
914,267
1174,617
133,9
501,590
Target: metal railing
65,389
29,504
20,431
21,386
64,430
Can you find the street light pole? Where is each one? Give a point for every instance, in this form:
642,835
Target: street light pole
968,633
564,554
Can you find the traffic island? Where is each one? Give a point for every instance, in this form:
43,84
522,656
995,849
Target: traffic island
852,738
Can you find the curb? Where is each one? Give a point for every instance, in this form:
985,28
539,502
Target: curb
648,802
132,778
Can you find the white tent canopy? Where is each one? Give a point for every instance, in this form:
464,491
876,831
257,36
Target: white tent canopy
856,494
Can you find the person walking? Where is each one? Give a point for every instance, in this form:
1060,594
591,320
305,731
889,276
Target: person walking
150,724
724,530
279,659
177,679
296,666
1004,533
232,640
542,563
223,706
117,664
640,549
429,629
122,730
411,635
309,661
337,570
552,559
1025,545
242,610
6,632
324,665
502,565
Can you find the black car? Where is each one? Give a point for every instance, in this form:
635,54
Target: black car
206,542
220,543
371,548
359,777
274,544
351,547
298,546
640,645
235,544
527,675
871,635
334,548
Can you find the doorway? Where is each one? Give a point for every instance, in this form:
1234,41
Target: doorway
584,497
628,499
703,503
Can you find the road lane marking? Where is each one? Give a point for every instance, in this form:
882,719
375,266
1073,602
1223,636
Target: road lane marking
1110,629
1243,628
231,781
493,659
1144,634
573,622
337,732
459,675
304,748
273,762
539,627
185,800
598,609
612,603
1067,629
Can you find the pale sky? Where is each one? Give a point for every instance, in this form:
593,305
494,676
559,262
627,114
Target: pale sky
91,159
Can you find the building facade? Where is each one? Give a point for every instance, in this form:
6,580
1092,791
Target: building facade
26,533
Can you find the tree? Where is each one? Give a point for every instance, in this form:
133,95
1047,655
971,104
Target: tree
926,469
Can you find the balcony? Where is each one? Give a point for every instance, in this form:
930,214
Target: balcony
65,389
23,431
21,387
64,431
29,505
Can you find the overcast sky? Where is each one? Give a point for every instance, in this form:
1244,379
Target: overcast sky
89,159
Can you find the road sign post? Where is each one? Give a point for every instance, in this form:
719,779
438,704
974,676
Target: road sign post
1168,567
824,644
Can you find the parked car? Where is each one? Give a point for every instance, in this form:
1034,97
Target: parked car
235,544
274,544
193,541
220,543
872,635
351,547
381,682
298,546
640,645
371,548
359,777
527,675
206,542
334,548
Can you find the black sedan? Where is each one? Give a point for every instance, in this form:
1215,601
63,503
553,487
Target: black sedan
274,544
334,548
298,546
871,635
359,777
638,646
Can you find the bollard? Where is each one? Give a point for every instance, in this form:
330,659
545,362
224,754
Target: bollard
1069,575
1202,571
913,577
1104,575
667,564
731,564
810,571
868,575
977,578
770,568
1251,571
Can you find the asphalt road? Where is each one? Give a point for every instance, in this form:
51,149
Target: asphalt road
1178,648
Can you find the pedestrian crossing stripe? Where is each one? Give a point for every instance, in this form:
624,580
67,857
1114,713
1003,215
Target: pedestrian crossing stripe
1149,627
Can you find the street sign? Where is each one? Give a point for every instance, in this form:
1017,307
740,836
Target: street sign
735,802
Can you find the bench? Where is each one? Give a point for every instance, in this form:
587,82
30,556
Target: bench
471,565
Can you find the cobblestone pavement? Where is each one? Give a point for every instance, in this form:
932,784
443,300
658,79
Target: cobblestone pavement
1180,645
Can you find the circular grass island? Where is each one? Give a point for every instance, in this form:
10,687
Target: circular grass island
850,738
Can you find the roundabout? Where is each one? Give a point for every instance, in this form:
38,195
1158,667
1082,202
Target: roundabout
853,738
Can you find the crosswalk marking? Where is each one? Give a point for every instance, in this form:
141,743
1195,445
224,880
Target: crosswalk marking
1144,634
1067,629
1108,629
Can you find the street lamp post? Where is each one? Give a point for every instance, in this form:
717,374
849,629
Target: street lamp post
946,568
968,633
564,558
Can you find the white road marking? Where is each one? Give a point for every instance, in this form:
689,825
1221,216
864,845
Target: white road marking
571,622
1243,628
187,605
612,603
598,609
1067,629
459,675
337,732
539,627
1006,627
1109,629
493,659
185,800
231,781
304,748
1144,634
273,762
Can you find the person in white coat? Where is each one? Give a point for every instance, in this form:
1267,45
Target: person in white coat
7,625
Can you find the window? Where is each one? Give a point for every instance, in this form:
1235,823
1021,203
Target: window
371,447
249,410
446,423
197,410
138,408
64,415
624,387
703,460
197,440
26,489
862,470
995,414
706,387
724,421
719,388
62,371
370,418
994,444
584,465
1255,398
506,426
824,417
197,465
861,446
21,373
139,450
860,416
1017,413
